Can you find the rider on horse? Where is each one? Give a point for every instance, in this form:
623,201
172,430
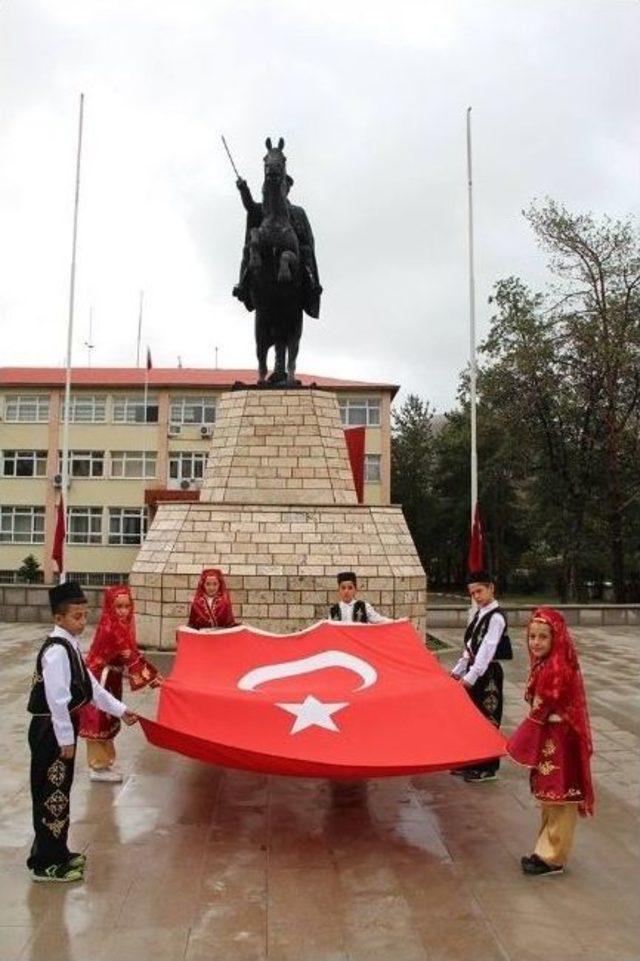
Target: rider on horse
311,289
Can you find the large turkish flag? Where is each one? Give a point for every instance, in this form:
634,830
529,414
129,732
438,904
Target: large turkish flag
334,700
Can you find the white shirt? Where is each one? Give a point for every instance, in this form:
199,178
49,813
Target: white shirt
487,649
56,674
346,613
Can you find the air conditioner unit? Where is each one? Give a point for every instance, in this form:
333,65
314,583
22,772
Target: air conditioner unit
206,431
185,484
174,430
57,481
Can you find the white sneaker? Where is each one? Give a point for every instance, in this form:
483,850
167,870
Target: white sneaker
112,774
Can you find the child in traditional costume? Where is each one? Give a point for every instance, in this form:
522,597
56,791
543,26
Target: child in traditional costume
554,741
211,604
112,656
61,685
486,643
352,608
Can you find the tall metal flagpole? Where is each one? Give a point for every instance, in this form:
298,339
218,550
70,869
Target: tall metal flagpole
139,328
472,332
72,289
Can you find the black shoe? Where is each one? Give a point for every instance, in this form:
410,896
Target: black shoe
473,776
59,873
76,860
536,866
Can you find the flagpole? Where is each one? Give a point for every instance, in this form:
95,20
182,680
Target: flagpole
72,289
139,328
472,332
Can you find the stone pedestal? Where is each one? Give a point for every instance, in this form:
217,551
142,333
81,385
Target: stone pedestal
278,514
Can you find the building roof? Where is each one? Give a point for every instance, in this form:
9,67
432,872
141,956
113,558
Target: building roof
162,377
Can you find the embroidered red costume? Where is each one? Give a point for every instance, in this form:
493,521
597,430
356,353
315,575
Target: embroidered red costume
114,655
555,739
213,611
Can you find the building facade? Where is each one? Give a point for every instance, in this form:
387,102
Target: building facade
135,437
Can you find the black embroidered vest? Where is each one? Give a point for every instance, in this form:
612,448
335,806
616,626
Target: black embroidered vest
358,614
476,631
80,687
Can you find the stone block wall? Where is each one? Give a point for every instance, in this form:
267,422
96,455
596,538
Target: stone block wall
280,563
278,514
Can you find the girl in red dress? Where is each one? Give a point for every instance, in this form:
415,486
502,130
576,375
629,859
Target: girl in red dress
211,604
113,655
554,740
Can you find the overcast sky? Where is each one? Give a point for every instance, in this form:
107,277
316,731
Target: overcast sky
371,100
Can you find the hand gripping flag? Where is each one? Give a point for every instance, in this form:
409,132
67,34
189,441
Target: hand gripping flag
335,700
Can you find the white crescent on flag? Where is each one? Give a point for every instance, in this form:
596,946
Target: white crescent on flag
306,665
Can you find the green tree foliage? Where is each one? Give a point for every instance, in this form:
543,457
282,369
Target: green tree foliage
558,424
412,468
30,571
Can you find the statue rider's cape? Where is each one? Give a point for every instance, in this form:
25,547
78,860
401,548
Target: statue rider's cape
311,289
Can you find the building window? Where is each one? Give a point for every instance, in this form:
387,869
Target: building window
360,411
84,525
24,463
22,525
131,410
86,409
194,411
26,408
139,464
127,525
98,578
372,468
84,463
186,465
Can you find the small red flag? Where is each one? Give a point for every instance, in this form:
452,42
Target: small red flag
476,547
355,438
149,364
57,553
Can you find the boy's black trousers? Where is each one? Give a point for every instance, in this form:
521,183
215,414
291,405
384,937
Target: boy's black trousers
51,779
487,695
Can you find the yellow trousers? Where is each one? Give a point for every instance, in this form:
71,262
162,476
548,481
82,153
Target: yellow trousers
100,754
556,832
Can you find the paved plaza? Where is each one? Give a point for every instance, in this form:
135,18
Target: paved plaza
189,862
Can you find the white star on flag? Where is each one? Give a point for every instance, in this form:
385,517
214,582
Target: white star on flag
313,713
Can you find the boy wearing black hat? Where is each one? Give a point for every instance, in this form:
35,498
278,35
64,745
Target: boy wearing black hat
486,643
61,684
350,608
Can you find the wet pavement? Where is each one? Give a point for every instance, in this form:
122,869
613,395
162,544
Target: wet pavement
189,862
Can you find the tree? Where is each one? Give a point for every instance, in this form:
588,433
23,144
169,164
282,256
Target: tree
597,264
545,403
412,469
30,571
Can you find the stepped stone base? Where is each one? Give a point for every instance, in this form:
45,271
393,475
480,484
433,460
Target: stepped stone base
278,515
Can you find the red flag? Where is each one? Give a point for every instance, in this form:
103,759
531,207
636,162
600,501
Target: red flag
149,364
57,552
354,436
334,700
476,547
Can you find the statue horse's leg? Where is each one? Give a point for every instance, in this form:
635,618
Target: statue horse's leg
293,344
279,374
262,345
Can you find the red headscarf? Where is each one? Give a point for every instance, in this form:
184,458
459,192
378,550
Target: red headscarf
114,638
557,678
220,613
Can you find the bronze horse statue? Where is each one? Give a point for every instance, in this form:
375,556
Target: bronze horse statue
279,276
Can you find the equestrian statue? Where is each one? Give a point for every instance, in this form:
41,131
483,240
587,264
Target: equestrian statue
278,275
